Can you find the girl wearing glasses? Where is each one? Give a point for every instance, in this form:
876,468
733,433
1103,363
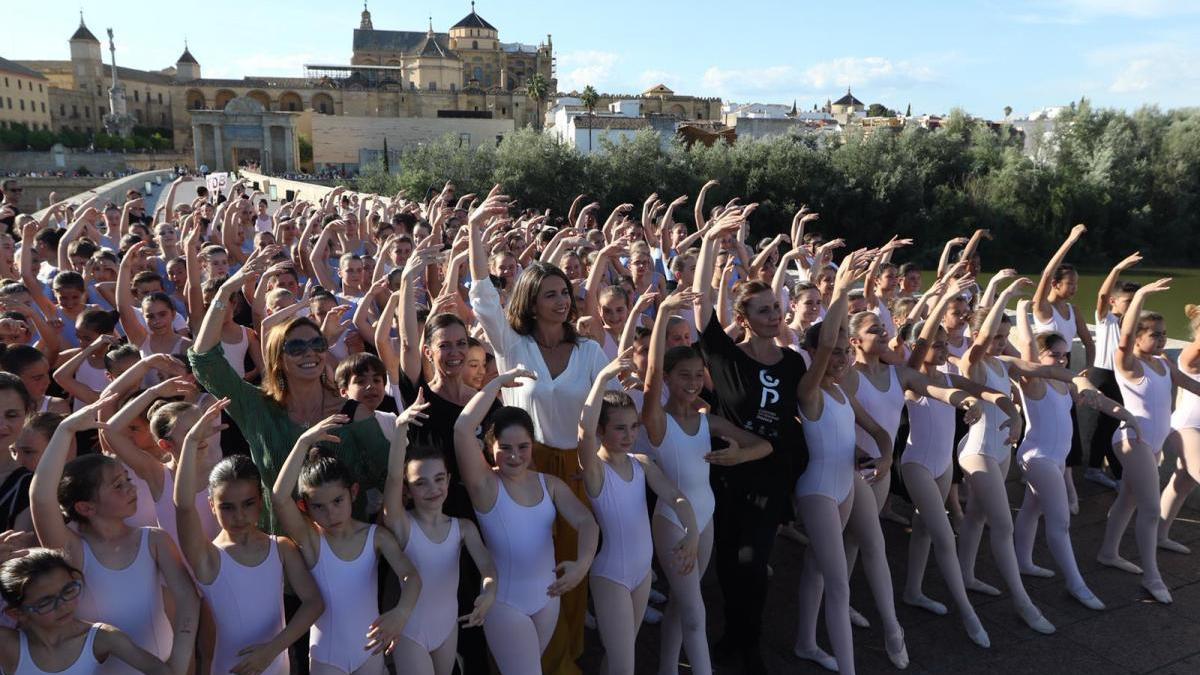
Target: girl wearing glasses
1043,455
42,590
296,393
129,567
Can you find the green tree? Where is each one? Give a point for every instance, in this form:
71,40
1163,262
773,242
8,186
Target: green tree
538,89
1007,111
589,98
880,110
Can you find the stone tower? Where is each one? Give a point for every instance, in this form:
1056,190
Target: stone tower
86,61
187,68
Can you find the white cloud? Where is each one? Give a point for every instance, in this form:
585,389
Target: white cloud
820,79
1154,71
650,78
578,69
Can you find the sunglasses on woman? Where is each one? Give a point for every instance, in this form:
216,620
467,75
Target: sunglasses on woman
300,346
53,602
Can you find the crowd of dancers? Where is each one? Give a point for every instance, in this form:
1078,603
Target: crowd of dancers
364,432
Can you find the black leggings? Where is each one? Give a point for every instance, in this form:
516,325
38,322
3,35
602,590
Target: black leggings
743,536
1098,428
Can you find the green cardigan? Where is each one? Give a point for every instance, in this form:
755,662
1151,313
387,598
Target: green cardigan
271,434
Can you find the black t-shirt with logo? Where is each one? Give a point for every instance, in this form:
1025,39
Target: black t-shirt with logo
761,399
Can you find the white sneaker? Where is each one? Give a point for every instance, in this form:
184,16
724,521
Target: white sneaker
1098,476
652,616
657,597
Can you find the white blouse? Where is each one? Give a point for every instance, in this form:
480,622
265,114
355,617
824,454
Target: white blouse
555,403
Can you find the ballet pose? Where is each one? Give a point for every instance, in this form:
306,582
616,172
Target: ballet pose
433,541
516,508
342,552
1184,439
985,454
616,481
825,492
1145,377
1043,455
240,572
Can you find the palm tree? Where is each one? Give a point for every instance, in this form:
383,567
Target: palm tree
589,98
536,88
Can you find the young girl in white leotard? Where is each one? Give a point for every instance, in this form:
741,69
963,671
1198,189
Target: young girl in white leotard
516,507
1043,455
240,572
927,467
1184,439
127,568
880,389
350,636
1054,313
620,575
985,455
433,541
42,590
825,491
1145,377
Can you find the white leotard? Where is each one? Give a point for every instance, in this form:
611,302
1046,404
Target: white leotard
164,510
985,437
91,377
145,515
351,592
85,663
681,457
1048,426
521,539
609,346
1150,402
1187,413
956,352
235,352
1063,325
882,406
830,439
130,599
930,432
247,607
621,511
436,614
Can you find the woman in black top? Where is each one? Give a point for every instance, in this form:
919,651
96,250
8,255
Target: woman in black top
755,386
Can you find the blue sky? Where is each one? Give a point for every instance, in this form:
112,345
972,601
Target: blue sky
977,54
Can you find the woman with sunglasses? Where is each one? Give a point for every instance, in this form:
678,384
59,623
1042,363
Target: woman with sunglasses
42,590
296,394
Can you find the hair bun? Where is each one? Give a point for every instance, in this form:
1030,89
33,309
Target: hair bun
1192,311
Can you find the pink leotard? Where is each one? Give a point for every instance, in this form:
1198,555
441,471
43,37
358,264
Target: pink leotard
85,664
1047,427
930,432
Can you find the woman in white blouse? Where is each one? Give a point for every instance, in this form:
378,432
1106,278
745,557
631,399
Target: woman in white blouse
537,332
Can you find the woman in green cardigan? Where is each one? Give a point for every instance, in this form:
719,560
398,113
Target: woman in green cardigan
295,395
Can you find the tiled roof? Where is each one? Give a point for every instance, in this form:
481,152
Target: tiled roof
14,67
83,33
433,47
848,99
131,74
473,20
403,41
515,47
597,122
186,57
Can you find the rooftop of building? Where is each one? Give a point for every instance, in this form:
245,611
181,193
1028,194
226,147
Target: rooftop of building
18,69
82,33
611,122
473,20
132,74
402,41
848,99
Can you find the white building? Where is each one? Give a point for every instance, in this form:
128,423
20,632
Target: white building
1039,131
570,122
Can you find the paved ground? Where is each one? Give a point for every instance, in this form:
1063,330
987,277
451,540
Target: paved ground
1134,635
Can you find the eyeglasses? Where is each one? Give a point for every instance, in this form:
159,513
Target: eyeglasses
300,347
47,605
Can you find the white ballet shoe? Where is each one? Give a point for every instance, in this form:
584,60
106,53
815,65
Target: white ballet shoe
976,632
858,620
652,616
1032,570
656,596
980,587
1158,590
1119,563
1086,598
926,603
818,656
1168,544
896,650
1033,618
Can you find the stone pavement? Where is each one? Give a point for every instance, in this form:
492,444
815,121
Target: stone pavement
1134,635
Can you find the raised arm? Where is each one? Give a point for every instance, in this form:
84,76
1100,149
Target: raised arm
808,391
1024,338
997,280
65,375
197,549
589,460
606,257
1110,283
933,322
395,516
476,473
698,209
135,331
52,530
947,250
293,523
209,335
729,221
145,465
1124,358
1042,310
991,324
